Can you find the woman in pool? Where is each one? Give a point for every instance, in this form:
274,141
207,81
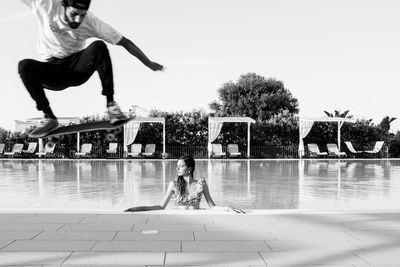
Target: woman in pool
187,190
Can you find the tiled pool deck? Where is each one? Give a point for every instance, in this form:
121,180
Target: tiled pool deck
201,238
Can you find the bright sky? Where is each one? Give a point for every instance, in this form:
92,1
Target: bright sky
331,54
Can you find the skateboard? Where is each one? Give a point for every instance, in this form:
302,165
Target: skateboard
112,130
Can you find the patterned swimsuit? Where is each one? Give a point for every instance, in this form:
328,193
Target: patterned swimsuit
193,197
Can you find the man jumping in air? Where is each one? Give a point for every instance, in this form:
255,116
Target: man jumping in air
64,27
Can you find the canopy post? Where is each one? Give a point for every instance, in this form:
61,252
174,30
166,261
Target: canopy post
78,137
340,124
338,135
163,137
248,140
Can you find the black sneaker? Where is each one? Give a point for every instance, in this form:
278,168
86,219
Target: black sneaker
115,114
47,125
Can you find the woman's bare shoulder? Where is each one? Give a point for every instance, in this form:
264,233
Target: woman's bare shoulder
201,181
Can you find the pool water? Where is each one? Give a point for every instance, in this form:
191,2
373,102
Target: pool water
114,185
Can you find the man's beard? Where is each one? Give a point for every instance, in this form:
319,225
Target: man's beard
73,25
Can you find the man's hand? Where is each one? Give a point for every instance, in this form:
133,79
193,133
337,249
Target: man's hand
155,66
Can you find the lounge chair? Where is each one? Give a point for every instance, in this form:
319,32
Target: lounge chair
112,148
48,150
351,149
16,150
313,151
217,151
2,148
86,149
31,149
377,148
136,151
233,151
149,150
333,151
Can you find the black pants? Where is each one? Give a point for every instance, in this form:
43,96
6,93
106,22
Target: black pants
58,74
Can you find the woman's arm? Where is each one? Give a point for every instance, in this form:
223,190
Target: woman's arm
212,205
163,203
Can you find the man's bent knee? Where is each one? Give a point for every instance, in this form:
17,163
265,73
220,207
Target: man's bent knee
25,66
98,46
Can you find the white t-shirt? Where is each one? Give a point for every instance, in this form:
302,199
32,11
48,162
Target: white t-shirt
57,39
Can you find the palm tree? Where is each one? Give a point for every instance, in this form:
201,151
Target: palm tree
339,114
385,123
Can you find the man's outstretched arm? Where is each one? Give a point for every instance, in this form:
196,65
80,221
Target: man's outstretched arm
135,51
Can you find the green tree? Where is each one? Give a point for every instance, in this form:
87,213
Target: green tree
3,135
182,128
254,96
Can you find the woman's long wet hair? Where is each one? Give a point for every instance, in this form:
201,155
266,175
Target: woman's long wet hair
180,182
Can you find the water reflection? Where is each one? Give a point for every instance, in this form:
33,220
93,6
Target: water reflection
247,184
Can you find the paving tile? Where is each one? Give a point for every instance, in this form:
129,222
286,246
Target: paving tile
376,265
377,245
94,227
368,235
376,225
211,265
310,227
45,245
213,258
94,265
233,235
181,219
320,218
184,235
51,218
169,227
5,243
224,246
116,218
32,258
149,246
240,228
311,257
116,258
312,235
246,219
5,218
379,257
30,227
15,235
310,245
59,235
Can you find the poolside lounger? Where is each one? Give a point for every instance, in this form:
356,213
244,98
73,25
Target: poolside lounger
112,148
313,151
149,150
217,151
233,151
333,151
136,151
48,150
86,149
16,150
31,149
351,149
377,148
